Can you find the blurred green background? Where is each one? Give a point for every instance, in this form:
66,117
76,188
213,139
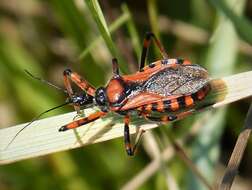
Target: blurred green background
45,37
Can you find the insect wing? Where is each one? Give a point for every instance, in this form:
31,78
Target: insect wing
177,80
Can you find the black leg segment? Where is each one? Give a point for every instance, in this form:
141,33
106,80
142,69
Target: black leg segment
127,142
146,45
115,67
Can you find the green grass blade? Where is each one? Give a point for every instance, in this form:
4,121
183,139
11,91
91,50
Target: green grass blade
97,15
112,28
72,22
74,25
153,12
101,24
21,85
242,25
132,31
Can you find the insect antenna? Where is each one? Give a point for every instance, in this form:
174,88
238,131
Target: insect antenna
34,119
45,81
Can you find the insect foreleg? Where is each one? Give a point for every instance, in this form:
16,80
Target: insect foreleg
83,121
79,81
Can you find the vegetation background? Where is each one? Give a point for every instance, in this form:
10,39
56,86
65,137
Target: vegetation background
45,37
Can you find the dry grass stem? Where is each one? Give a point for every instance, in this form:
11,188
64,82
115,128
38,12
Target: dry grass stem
166,155
237,153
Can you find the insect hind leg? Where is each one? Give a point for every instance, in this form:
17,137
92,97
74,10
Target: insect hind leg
115,67
169,118
164,119
146,44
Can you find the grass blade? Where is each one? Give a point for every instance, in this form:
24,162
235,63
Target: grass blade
112,28
133,32
242,25
43,137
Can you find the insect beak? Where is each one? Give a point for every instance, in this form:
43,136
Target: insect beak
80,100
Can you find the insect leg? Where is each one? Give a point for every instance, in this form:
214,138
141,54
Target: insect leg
79,81
146,45
69,88
139,136
165,118
182,61
83,121
127,142
115,67
168,118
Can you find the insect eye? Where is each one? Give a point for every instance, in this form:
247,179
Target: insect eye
100,96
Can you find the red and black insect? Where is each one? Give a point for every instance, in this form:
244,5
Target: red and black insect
163,91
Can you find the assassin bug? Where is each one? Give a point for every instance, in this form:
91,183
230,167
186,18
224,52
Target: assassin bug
167,87
163,91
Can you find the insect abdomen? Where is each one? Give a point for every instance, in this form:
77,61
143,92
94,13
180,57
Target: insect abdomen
176,104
